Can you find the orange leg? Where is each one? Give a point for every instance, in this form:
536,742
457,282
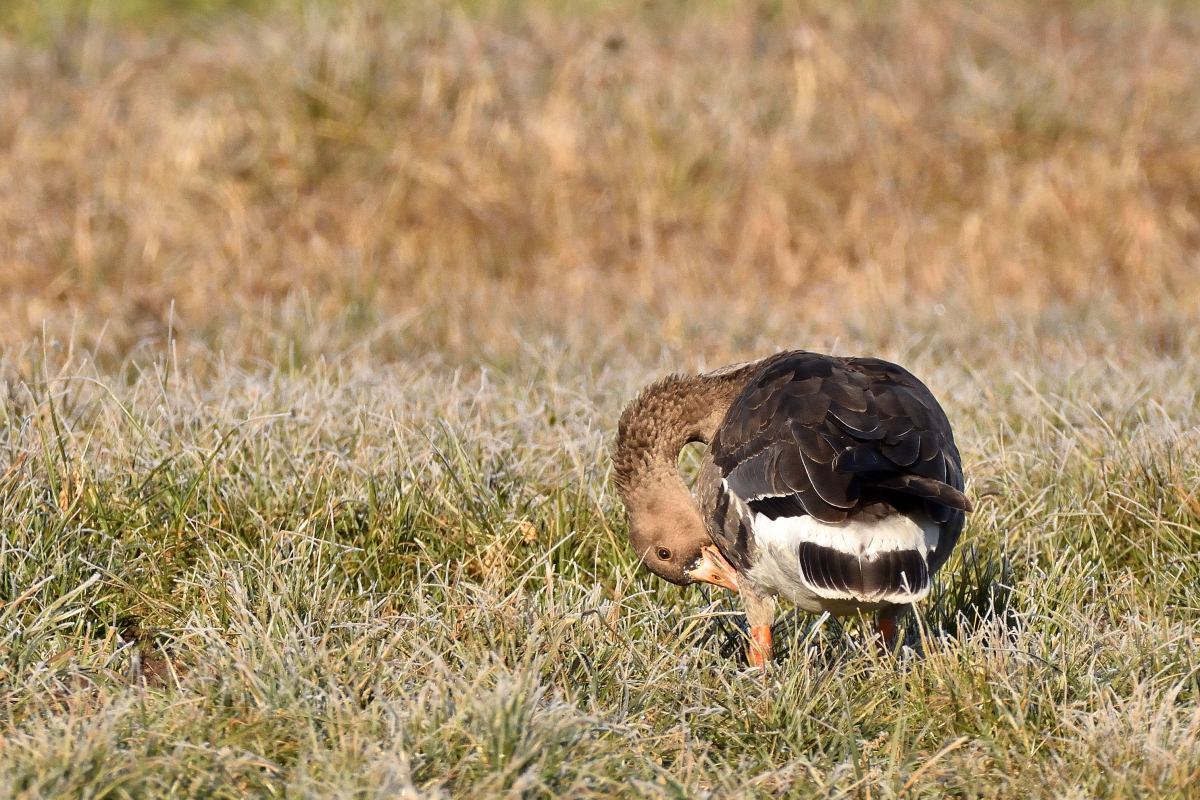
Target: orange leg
888,624
760,613
760,645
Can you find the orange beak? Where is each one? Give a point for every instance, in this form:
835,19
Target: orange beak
713,568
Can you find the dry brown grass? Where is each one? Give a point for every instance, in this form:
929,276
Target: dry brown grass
467,174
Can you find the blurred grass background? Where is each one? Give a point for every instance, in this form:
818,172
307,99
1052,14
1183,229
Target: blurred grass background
316,317
592,167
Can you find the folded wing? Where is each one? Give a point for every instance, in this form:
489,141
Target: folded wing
840,439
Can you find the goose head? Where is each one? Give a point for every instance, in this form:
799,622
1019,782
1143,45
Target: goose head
668,534
665,525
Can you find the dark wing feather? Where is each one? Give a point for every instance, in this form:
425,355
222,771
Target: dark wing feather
826,436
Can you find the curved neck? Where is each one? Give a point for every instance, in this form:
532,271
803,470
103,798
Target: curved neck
667,415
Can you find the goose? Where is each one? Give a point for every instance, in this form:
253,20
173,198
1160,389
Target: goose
830,482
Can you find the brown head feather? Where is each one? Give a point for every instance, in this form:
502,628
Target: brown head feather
665,526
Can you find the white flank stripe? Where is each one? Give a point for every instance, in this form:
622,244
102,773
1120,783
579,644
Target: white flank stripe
862,538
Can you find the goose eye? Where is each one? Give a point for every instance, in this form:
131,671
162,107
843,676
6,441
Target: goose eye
664,554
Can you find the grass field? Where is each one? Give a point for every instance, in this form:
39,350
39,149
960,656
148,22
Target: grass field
316,319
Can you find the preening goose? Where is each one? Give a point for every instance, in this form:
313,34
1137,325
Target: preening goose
830,482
